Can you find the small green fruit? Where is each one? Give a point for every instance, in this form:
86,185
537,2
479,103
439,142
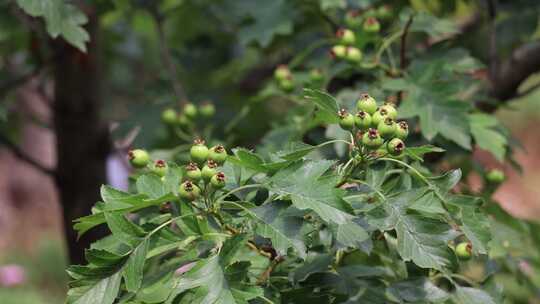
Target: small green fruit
315,75
190,110
282,72
387,128
362,120
384,12
395,147
218,180
168,116
379,116
464,250
160,167
218,154
346,36
495,176
182,120
189,191
199,152
372,139
353,19
287,84
346,120
402,130
338,51
193,172
207,110
138,158
209,170
354,55
367,104
390,110
371,25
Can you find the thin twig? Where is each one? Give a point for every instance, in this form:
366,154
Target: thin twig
168,61
24,157
402,55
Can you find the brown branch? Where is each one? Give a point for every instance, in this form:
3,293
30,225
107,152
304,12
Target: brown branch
402,55
168,61
24,157
493,57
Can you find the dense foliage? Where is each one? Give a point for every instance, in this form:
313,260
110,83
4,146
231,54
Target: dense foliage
345,198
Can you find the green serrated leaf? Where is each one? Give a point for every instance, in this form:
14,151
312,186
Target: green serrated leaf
325,102
104,292
487,136
123,229
133,269
151,185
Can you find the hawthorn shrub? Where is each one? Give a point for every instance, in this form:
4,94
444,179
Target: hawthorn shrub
352,197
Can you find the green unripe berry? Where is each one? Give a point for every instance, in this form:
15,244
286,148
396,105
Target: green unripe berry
395,146
218,154
362,120
390,110
193,172
367,104
287,84
189,191
379,116
282,72
199,152
182,120
346,36
384,12
495,176
464,250
218,180
207,110
338,51
402,130
387,128
209,170
371,25
346,120
315,75
354,55
353,19
160,167
372,139
138,158
168,116
190,110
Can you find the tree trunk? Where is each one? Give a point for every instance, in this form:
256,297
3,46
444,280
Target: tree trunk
82,138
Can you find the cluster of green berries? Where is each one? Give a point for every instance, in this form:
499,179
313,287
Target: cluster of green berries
188,115
286,81
368,18
345,49
139,158
375,126
203,171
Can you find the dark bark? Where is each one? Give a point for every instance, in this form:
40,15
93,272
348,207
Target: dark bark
82,138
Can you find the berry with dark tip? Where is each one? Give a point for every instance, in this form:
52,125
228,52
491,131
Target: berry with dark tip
353,19
362,120
384,11
390,110
218,154
371,25
282,72
209,170
464,250
338,51
353,54
379,116
138,158
346,36
218,180
189,191
402,130
387,128
346,120
193,172
395,147
199,151
367,104
160,167
372,139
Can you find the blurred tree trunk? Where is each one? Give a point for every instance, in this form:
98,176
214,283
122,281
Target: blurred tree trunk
82,138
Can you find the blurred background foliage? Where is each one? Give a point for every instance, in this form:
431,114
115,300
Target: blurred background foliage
154,55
